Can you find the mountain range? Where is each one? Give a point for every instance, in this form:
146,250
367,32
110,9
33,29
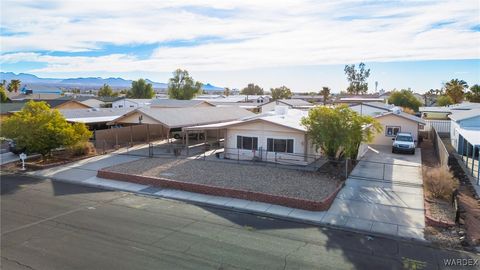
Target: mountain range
32,81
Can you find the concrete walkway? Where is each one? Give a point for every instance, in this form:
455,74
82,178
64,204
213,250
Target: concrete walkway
383,194
84,173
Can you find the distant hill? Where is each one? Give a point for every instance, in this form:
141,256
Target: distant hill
33,81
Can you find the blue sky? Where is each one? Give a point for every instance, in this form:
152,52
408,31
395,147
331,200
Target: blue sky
303,44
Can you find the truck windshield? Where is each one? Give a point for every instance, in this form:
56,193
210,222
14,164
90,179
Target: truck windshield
404,139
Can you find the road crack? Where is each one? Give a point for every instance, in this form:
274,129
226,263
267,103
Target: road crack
18,263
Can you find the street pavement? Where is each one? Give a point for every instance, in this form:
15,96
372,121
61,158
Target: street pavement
56,225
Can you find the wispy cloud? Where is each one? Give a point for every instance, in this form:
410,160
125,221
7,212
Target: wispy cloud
229,35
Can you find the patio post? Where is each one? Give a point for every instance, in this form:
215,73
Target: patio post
466,154
148,133
473,157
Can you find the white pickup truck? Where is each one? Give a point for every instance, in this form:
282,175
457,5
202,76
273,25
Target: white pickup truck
403,142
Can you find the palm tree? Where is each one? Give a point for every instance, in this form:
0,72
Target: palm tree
455,89
14,85
325,92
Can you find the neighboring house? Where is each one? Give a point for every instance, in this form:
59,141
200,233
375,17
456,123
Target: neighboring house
371,108
94,118
435,113
359,99
394,122
465,138
65,104
7,109
290,103
175,103
275,136
131,103
94,103
442,113
309,98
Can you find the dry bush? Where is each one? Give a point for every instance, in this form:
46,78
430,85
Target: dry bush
440,182
82,149
408,110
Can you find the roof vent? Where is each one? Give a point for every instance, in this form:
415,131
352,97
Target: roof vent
396,110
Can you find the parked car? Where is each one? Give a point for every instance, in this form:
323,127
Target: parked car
403,142
12,147
191,135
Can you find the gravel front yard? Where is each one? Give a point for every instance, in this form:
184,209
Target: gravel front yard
270,180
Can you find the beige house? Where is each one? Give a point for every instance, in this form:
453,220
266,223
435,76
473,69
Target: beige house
394,122
276,136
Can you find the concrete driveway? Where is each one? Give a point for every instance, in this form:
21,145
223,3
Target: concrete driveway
383,194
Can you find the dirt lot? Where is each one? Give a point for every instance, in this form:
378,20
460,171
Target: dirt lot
277,181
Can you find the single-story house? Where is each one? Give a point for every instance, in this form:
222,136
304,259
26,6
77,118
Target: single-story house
175,103
274,136
131,103
290,103
394,122
371,108
94,118
7,109
465,138
442,113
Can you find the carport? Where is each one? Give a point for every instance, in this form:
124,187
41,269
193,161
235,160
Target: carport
170,119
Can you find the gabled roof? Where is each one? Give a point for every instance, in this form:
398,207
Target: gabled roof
175,103
375,104
404,115
190,116
460,115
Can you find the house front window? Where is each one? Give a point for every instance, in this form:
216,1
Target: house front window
391,131
280,145
248,143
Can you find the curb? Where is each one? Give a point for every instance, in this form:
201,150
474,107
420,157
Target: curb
304,204
251,212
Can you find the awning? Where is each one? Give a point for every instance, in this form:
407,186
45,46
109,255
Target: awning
471,135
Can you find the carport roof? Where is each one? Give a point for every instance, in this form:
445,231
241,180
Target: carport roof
184,117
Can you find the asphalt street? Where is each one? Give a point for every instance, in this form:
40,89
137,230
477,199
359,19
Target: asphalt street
53,225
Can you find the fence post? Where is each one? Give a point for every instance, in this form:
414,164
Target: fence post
275,159
383,177
238,155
